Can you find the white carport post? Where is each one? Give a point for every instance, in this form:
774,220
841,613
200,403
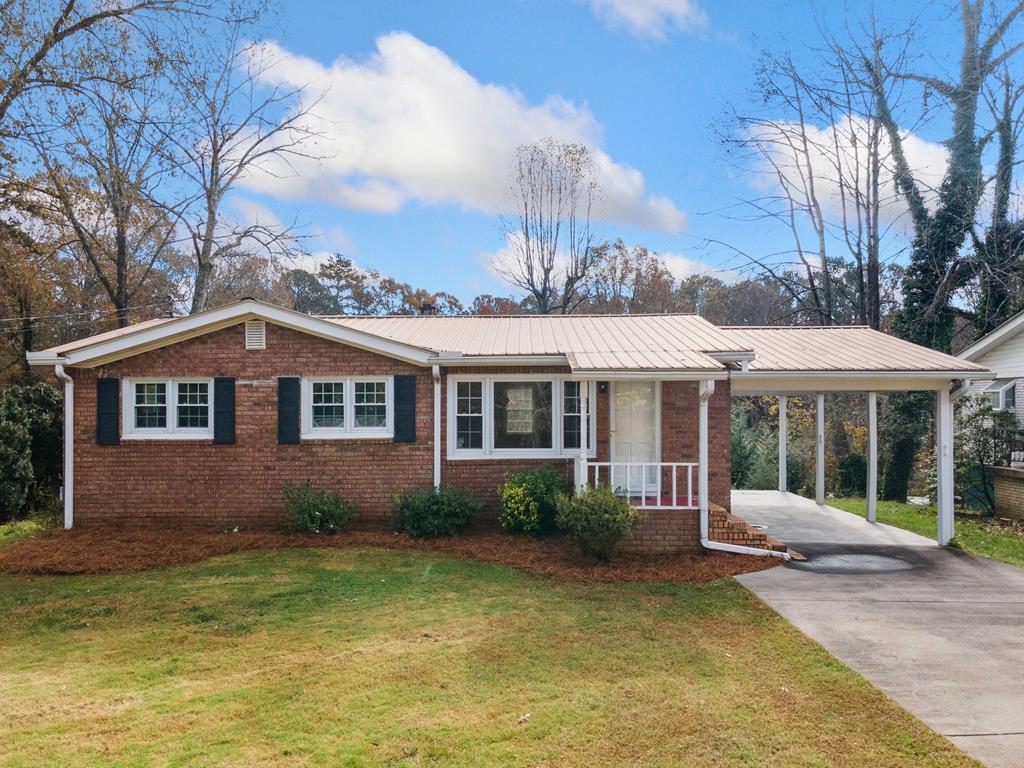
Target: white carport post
872,457
819,464
783,450
944,464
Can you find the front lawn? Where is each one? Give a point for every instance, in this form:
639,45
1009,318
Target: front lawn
370,657
973,533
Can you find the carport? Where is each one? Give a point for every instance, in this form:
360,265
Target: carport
809,361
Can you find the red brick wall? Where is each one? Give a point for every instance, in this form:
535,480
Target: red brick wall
164,482
198,483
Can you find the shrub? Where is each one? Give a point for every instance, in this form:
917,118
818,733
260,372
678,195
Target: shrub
431,512
598,520
30,448
15,458
529,500
315,510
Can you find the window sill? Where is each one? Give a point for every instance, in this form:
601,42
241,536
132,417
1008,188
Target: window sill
194,436
359,435
516,454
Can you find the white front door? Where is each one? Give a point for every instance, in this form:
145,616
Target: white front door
633,433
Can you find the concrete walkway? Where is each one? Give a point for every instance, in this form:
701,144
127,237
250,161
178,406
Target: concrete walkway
940,631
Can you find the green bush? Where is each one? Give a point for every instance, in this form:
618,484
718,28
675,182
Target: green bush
315,510
15,458
431,512
598,520
529,500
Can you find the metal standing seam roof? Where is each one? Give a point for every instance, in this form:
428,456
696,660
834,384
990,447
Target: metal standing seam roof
840,348
590,342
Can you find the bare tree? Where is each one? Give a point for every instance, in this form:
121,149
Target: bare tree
550,236
628,280
104,168
231,126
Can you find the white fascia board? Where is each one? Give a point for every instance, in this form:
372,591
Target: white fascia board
190,326
45,358
991,340
690,374
768,382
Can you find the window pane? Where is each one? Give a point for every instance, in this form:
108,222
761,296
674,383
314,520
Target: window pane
328,404
469,412
522,414
193,405
371,404
1010,396
571,416
151,405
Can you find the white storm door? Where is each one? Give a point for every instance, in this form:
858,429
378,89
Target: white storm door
633,438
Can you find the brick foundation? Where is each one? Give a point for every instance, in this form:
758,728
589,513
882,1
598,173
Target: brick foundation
1009,491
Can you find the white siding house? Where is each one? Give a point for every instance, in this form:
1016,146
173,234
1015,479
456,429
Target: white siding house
1002,350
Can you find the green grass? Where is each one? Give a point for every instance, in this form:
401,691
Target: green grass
366,657
972,535
20,529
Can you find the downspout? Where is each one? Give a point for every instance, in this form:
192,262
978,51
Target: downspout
705,390
961,389
436,372
69,444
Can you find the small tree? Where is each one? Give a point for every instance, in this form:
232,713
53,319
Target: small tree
977,427
15,458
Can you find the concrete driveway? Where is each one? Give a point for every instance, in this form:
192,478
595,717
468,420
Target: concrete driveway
940,631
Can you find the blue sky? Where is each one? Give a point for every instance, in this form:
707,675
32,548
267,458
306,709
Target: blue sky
645,90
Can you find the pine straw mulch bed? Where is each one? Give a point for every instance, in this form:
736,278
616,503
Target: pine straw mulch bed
96,550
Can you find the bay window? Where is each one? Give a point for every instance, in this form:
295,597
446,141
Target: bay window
525,416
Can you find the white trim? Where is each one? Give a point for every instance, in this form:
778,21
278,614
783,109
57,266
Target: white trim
488,451
69,445
172,431
189,326
350,431
809,382
993,339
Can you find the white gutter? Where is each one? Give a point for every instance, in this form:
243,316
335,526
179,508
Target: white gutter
69,444
960,390
436,372
706,390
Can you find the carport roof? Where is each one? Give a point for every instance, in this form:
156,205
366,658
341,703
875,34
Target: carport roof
842,349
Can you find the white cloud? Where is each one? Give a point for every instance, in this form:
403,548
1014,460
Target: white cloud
655,19
410,124
843,145
683,267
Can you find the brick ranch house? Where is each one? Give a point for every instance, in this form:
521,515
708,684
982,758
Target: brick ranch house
202,420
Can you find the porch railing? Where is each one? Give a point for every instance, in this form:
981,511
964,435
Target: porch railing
648,485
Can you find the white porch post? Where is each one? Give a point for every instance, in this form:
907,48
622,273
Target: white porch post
706,389
581,462
944,465
783,449
819,464
872,502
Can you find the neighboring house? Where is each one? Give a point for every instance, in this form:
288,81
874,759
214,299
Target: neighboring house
1002,350
203,419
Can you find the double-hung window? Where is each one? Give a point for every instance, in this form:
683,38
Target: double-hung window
516,417
169,409
337,408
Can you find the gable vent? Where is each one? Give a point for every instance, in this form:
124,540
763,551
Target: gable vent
255,334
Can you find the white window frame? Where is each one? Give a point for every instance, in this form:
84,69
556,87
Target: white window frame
488,451
172,431
1001,390
350,431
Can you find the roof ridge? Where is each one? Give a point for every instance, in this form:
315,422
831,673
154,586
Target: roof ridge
796,328
507,316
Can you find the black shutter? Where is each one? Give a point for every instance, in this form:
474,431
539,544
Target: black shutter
287,410
107,430
223,410
405,409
